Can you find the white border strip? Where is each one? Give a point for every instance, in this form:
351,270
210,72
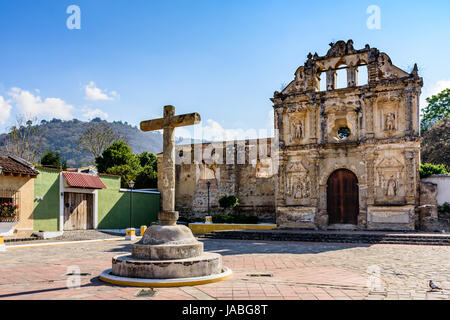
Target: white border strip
139,191
107,275
43,244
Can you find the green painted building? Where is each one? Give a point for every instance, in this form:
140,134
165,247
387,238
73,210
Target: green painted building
72,201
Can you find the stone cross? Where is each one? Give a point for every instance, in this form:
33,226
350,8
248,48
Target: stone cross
168,215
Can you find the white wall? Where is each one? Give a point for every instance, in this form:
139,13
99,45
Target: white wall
443,187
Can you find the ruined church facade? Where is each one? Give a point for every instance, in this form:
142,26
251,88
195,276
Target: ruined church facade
347,150
349,156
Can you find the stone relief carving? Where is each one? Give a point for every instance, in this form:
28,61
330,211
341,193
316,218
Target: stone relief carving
389,123
297,130
298,183
340,48
389,174
264,168
391,188
385,67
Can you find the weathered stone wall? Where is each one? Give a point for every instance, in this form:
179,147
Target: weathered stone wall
232,168
428,212
370,129
443,187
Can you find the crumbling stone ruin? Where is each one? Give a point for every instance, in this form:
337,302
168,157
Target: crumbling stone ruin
347,150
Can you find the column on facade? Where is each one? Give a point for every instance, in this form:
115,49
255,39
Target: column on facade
410,178
369,105
312,123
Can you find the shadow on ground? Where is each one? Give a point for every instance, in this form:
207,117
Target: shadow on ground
235,247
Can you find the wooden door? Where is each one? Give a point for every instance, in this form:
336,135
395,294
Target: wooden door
78,211
342,197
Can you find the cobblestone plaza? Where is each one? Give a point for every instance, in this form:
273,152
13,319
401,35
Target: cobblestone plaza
263,270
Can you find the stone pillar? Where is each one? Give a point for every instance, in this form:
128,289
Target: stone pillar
370,171
168,216
369,105
410,177
408,110
352,77
428,214
312,123
323,123
331,80
314,175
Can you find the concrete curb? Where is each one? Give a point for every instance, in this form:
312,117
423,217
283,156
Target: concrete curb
106,276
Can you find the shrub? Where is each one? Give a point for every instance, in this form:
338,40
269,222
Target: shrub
444,209
428,169
228,201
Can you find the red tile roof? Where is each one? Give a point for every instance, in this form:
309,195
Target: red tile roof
12,164
83,180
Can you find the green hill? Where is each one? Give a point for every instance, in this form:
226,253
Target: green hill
63,136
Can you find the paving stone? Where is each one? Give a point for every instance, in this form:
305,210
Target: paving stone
307,271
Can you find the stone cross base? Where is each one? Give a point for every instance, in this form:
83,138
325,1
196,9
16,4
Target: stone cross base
168,218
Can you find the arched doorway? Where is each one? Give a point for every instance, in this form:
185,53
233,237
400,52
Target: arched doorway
342,197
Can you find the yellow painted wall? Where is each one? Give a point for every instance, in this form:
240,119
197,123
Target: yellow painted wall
26,187
204,228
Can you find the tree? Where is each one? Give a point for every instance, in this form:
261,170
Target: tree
146,177
118,159
51,159
126,173
119,153
97,137
438,109
148,159
428,169
436,144
24,139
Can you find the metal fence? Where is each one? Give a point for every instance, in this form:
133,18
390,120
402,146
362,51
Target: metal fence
9,196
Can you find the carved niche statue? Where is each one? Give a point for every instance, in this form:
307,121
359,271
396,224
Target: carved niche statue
299,187
298,183
390,122
391,189
297,130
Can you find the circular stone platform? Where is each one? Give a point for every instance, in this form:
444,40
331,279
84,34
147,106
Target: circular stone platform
204,265
107,276
166,251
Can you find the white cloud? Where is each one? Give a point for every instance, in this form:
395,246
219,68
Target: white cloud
31,105
94,113
93,93
438,87
5,110
211,130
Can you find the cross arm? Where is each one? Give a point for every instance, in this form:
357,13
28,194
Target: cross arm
173,122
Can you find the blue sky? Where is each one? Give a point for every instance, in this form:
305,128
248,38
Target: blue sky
221,58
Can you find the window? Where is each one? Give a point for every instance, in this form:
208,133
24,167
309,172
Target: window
323,81
343,133
341,75
363,76
9,209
